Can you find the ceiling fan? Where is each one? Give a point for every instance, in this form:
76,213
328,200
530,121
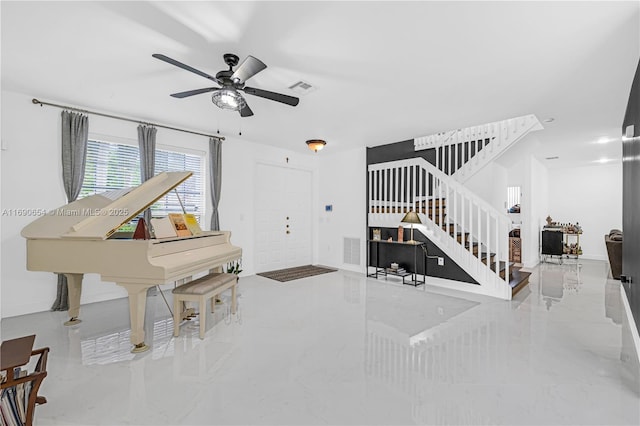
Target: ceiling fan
231,83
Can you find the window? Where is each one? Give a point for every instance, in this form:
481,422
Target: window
112,166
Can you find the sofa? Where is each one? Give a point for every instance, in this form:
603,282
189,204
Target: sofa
613,240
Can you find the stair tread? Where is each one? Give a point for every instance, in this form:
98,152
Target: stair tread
519,280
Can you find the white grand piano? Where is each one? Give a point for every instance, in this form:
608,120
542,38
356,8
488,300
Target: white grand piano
81,238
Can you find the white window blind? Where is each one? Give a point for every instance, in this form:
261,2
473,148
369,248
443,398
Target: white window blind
111,166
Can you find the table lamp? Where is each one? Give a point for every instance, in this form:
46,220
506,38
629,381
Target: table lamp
411,217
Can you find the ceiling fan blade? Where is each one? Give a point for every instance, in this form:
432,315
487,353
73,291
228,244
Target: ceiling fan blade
194,92
247,69
246,111
278,97
183,66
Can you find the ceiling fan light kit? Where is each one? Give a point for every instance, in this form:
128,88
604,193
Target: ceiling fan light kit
228,99
231,83
316,144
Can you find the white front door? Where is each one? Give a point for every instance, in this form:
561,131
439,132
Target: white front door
283,217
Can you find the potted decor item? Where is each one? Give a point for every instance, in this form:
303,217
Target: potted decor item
234,267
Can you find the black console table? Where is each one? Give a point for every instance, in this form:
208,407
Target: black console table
385,271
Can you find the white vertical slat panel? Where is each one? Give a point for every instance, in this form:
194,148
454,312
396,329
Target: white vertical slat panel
383,206
455,154
422,187
414,191
407,188
376,190
418,174
432,198
401,198
369,193
445,193
437,199
494,231
393,191
374,193
468,151
453,196
462,221
487,239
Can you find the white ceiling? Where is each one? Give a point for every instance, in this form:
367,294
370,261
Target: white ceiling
383,71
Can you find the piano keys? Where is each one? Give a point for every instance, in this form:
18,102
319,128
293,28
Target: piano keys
81,237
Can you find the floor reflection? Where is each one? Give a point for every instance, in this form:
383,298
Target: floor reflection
413,345
554,280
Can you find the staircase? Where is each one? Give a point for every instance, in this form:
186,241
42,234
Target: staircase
469,230
461,153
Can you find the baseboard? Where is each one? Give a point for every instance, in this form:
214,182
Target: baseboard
631,322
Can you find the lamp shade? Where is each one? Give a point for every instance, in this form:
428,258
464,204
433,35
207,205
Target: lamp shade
411,217
316,144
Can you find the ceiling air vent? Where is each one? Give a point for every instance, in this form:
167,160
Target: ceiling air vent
302,87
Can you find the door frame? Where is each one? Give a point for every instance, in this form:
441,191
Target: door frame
314,216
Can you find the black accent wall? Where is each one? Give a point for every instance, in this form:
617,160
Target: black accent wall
631,199
403,255
398,151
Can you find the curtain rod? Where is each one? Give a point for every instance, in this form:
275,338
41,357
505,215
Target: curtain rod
37,102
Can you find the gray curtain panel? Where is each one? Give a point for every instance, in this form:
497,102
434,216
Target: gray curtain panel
215,179
147,145
75,133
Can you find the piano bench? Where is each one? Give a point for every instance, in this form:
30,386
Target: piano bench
200,291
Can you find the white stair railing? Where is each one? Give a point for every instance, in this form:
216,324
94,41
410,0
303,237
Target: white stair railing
447,208
463,152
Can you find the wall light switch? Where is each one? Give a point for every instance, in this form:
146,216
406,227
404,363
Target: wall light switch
441,261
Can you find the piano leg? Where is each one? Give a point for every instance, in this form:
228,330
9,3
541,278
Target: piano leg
137,306
74,291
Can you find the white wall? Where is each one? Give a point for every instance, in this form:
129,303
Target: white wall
31,179
591,196
490,184
534,210
343,186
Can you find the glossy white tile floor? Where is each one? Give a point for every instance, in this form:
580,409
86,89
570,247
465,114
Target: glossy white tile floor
343,349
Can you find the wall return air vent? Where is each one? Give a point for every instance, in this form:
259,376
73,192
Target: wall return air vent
351,253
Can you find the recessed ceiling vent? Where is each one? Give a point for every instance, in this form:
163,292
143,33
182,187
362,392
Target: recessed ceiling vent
302,87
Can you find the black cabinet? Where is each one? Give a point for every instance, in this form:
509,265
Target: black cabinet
552,243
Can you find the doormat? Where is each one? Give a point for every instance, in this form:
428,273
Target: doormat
290,274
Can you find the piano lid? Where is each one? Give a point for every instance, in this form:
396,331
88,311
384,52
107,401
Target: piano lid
97,217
